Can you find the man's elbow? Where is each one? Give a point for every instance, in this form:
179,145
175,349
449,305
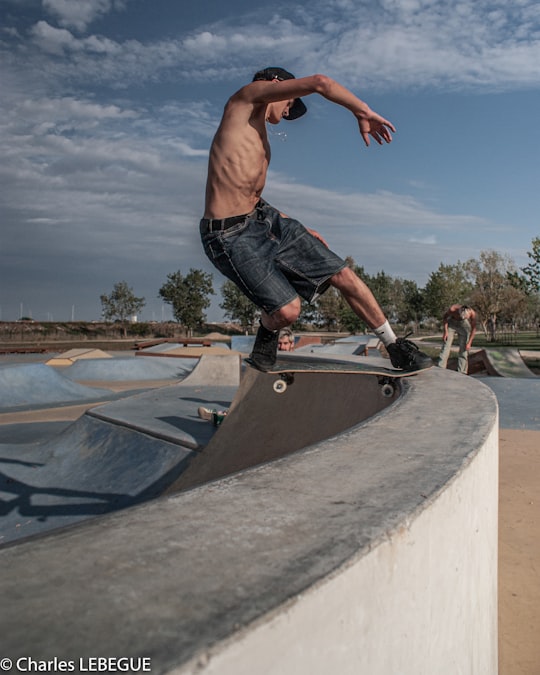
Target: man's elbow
322,84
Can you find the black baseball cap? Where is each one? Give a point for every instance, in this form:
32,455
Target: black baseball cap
298,108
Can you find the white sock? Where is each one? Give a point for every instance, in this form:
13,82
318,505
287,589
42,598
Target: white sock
385,333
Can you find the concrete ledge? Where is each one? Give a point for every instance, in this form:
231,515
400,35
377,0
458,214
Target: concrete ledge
375,552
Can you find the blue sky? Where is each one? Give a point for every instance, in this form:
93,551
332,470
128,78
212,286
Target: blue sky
108,109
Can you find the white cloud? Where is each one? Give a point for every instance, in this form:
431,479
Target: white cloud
426,43
381,209
78,14
58,110
60,41
398,43
52,40
428,240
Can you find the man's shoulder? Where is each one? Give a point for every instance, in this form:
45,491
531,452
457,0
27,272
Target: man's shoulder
243,96
241,109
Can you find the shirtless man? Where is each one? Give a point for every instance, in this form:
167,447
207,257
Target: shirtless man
271,257
460,319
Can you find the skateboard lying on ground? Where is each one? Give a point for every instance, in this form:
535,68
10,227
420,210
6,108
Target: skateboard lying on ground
286,368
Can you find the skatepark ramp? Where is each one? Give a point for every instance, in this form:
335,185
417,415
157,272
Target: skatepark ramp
503,362
129,369
115,455
371,551
133,449
23,385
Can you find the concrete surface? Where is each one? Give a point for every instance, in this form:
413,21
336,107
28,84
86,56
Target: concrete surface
503,362
23,385
70,356
113,456
423,600
519,401
384,535
129,368
91,468
242,343
354,345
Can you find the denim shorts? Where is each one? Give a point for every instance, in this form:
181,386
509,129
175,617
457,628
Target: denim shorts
271,258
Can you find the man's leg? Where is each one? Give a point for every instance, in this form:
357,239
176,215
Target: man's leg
463,355
264,352
446,349
283,317
359,296
403,353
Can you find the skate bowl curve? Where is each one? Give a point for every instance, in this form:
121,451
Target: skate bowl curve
373,551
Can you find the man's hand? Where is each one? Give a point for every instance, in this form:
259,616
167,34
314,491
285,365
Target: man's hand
376,126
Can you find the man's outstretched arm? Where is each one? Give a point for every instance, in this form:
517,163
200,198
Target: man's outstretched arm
370,123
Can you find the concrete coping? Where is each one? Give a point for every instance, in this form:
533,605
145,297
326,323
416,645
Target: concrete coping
176,578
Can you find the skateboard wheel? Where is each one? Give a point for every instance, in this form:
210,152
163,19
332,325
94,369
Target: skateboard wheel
388,390
279,386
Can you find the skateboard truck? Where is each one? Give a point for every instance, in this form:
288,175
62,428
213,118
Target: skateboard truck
388,386
281,384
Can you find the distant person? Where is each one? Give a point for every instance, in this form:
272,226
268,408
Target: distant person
286,340
460,319
285,344
272,258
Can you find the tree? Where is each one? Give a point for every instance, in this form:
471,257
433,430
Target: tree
409,304
448,285
528,284
121,304
532,270
189,297
237,306
493,290
329,310
382,287
332,311
349,319
399,300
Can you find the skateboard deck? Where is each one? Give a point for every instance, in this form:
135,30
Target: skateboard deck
287,367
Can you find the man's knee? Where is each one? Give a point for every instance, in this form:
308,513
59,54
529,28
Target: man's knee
285,316
289,313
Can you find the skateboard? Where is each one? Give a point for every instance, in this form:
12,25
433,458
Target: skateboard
286,368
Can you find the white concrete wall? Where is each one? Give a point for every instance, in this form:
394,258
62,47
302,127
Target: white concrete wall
421,602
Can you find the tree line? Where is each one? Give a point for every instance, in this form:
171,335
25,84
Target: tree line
500,293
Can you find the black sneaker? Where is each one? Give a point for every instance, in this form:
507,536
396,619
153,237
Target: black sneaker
264,352
405,354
